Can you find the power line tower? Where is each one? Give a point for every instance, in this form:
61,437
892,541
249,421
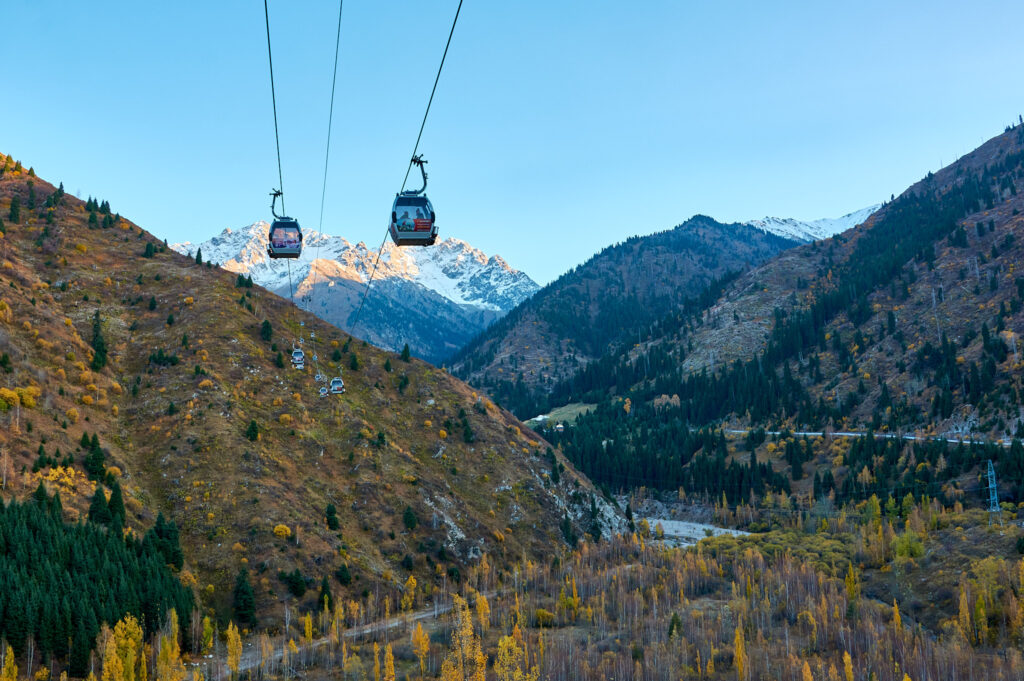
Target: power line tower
993,495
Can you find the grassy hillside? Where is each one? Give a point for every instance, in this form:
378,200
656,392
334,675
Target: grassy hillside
174,368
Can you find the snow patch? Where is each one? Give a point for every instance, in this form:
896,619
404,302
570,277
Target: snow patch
814,230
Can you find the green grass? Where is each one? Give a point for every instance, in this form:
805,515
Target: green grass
566,414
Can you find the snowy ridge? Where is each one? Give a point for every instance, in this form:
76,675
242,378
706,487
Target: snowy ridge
815,229
452,269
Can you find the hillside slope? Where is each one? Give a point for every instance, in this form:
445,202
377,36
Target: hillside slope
175,369
575,319
435,299
908,324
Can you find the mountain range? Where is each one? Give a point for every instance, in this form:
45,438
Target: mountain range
616,295
433,299
903,331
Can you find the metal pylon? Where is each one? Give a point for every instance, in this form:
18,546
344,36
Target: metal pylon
993,495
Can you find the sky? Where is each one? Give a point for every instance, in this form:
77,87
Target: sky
558,128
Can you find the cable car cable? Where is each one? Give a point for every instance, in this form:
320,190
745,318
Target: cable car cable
277,140
415,148
273,99
323,190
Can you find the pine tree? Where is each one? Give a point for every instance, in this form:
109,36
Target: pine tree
405,353
199,256
15,213
99,512
266,330
116,503
325,599
409,518
244,600
99,344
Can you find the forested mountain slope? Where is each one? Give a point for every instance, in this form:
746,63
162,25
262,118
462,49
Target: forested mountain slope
124,364
909,323
608,299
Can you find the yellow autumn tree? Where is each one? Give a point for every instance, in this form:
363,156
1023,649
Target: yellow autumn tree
740,654
964,618
465,660
127,637
806,673
483,613
510,664
168,662
389,664
234,649
376,661
207,640
409,594
113,669
421,646
847,666
307,628
897,621
10,671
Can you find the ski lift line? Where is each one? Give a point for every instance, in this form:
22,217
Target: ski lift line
408,169
273,99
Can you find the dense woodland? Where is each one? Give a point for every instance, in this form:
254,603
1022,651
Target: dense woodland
60,582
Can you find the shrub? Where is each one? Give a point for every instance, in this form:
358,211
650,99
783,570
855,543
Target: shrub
8,399
543,618
343,574
283,531
285,419
72,415
28,396
295,582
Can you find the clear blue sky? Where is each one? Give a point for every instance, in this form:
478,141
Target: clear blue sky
558,127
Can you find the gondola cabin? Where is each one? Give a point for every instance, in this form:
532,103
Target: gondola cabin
298,358
285,239
413,221
337,385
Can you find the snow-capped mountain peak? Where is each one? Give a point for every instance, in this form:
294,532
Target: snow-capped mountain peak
432,298
453,268
813,230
